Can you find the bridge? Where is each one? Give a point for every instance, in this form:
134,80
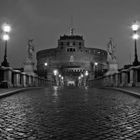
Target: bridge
55,111
75,98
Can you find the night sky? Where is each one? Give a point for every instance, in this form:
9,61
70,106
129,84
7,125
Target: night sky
46,20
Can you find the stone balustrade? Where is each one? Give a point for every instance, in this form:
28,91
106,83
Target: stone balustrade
15,78
123,78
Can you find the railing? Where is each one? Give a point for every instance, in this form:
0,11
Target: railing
124,78
15,78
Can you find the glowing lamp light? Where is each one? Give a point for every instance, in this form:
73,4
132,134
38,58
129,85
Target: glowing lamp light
62,77
82,75
6,27
79,77
5,37
135,36
46,64
96,63
86,73
135,27
59,75
55,72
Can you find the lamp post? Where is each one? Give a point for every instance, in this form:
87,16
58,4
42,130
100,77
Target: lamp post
46,64
5,36
45,69
95,64
86,78
135,28
86,73
5,62
55,72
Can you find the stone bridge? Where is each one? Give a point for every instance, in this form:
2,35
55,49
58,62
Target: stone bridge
15,78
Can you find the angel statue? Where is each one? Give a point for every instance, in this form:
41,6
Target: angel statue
111,51
30,49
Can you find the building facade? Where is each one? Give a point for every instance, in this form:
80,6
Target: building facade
71,59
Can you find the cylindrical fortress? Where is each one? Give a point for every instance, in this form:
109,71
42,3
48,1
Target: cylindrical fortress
71,58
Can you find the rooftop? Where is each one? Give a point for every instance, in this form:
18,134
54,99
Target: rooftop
69,37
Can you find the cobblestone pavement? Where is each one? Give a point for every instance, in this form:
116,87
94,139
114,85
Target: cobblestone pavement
70,114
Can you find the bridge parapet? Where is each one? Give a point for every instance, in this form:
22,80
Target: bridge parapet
124,78
15,78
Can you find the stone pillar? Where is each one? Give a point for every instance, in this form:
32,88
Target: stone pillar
124,79
136,77
39,81
8,76
116,79
16,77
111,80
30,80
27,80
132,78
33,80
119,79
36,81
23,79
106,81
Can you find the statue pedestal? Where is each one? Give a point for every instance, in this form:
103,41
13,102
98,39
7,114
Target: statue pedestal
113,68
29,67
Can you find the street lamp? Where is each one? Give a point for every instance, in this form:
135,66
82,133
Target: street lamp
45,69
6,27
55,72
135,36
82,75
95,64
86,73
45,64
135,28
5,36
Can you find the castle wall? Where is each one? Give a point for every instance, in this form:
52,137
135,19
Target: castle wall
70,51
58,57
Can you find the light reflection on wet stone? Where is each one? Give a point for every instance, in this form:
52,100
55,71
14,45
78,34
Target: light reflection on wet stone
68,114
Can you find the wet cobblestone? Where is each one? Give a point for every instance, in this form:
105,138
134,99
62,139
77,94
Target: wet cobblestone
70,114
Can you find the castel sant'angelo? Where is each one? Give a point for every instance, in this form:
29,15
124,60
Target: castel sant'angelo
71,59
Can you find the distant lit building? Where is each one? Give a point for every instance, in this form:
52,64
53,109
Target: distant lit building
71,58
